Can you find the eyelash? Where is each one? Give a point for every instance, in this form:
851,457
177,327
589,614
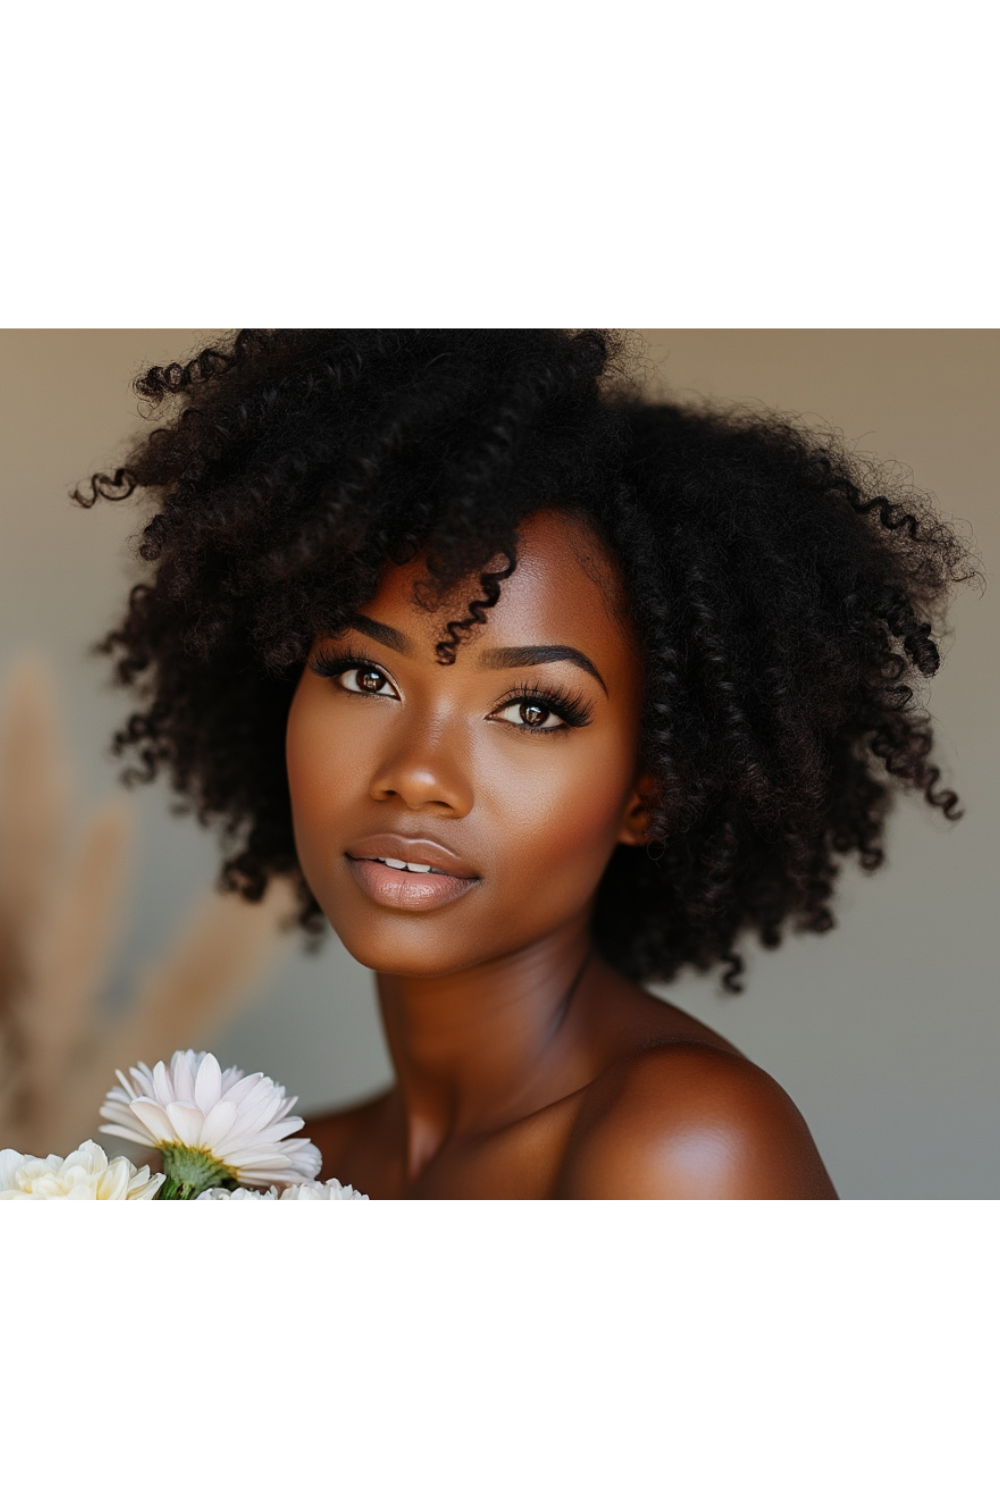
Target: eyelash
327,664
571,707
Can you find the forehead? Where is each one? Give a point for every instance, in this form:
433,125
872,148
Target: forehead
566,589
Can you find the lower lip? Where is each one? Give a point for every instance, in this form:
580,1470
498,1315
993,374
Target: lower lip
407,890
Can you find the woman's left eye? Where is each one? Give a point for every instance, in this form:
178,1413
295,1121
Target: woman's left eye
530,713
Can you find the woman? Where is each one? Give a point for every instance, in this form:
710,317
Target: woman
538,690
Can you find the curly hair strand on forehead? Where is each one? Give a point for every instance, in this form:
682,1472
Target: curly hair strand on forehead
783,595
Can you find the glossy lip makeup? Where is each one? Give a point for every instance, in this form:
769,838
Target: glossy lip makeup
406,889
409,889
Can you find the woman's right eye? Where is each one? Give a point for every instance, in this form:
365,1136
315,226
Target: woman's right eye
367,680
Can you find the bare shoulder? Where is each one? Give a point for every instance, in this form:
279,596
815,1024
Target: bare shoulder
337,1132
686,1119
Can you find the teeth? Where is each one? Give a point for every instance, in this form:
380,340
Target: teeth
399,864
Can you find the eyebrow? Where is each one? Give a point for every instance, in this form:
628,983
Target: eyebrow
495,657
536,656
384,634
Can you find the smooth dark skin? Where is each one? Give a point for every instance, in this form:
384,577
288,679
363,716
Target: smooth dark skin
525,1066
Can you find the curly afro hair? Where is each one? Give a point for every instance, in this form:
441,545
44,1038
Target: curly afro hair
783,597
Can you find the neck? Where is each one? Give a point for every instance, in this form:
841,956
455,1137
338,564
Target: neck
476,1049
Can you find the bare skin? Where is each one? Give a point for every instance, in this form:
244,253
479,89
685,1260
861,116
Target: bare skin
525,1066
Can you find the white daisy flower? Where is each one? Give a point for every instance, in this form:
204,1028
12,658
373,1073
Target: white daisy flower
329,1189
214,1129
228,1193
85,1173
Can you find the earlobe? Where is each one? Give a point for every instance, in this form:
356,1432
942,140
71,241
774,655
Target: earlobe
635,823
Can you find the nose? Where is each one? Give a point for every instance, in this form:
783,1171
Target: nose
426,767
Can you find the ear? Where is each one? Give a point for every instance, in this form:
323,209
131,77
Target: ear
635,822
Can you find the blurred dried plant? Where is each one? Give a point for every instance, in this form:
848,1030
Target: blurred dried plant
60,921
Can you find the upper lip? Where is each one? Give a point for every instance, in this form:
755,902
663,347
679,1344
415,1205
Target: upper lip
411,851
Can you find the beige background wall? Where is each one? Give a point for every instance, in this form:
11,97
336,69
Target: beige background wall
886,1031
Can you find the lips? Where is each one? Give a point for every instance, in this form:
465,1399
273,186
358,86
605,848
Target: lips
412,851
409,890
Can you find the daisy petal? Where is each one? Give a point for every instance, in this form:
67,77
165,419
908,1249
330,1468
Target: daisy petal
240,1087
218,1123
187,1121
121,1133
129,1091
163,1088
155,1119
182,1071
208,1084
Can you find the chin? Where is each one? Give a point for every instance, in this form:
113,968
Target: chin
418,953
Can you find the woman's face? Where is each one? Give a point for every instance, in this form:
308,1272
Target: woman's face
512,771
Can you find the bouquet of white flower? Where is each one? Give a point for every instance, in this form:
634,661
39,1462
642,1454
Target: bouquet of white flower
221,1135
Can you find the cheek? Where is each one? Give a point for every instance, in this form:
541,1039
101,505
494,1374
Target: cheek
318,771
560,816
